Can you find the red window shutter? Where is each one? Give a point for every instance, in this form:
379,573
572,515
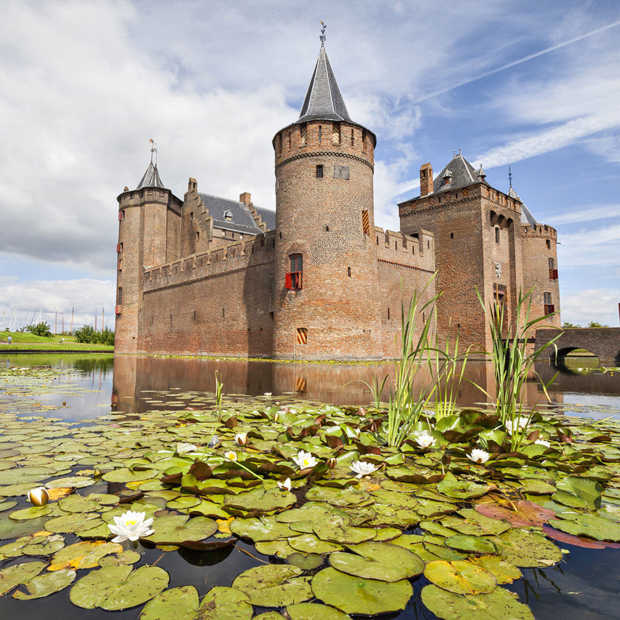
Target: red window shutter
118,310
288,281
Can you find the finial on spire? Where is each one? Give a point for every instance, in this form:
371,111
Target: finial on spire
323,36
153,151
509,177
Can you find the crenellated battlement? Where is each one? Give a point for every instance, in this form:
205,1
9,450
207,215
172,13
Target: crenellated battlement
234,257
540,230
415,251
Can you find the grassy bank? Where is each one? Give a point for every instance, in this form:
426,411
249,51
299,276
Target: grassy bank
25,341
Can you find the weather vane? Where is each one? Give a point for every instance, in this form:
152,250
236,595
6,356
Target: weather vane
323,37
153,150
510,177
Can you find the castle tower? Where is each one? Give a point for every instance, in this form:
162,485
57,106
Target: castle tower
325,289
143,223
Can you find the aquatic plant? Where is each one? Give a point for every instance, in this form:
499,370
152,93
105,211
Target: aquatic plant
478,456
409,400
130,526
376,389
219,392
362,468
304,460
424,439
512,364
286,485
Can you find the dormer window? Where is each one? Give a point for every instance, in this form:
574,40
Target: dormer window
228,216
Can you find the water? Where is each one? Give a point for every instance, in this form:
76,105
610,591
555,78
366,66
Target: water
583,586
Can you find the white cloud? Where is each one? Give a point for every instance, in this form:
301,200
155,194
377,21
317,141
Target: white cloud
49,300
590,247
586,213
599,305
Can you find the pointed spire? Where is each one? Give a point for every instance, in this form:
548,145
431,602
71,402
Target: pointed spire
323,100
151,177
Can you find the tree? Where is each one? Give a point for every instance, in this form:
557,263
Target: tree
40,329
596,324
569,325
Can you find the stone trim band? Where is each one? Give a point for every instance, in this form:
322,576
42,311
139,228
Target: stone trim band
325,154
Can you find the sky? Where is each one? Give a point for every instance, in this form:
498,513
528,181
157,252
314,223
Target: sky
84,85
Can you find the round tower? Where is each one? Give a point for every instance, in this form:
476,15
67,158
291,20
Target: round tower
326,281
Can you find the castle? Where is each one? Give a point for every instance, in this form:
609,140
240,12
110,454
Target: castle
317,279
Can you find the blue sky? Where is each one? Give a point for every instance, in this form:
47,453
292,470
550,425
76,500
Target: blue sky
84,85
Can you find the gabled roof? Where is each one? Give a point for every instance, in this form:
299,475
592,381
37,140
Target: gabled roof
239,217
323,100
461,173
151,178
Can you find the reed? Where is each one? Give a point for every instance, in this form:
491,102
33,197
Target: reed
376,389
219,392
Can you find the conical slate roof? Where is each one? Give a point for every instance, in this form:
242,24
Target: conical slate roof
151,177
323,100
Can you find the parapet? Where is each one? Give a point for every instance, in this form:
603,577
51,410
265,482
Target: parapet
540,230
415,251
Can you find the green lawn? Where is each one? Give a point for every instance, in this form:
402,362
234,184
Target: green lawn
25,341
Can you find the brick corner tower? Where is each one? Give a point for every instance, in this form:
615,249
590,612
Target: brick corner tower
142,222
326,278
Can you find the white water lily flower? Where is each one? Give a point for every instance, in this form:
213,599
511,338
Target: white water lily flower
286,485
362,468
130,526
543,442
267,394
303,460
182,448
230,455
241,439
518,424
38,496
424,439
478,456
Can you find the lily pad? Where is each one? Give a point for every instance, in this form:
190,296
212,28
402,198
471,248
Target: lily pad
503,571
497,605
221,603
44,585
522,513
177,529
73,522
376,560
118,587
339,530
261,529
19,573
527,549
309,543
578,492
590,525
279,548
461,489
356,595
460,577
44,545
124,474
261,500
172,604
274,585
348,496
33,512
314,611
83,555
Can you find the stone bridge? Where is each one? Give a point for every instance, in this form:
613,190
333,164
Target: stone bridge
604,342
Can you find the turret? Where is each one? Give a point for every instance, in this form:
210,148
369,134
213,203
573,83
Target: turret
144,215
325,263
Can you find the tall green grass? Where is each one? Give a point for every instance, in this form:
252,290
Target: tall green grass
512,364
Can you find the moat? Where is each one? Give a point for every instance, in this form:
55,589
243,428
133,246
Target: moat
65,404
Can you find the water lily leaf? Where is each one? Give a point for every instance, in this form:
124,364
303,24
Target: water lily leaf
274,585
578,492
261,529
206,509
590,525
177,529
124,474
436,528
19,573
125,557
72,522
34,512
348,496
314,611
83,555
76,482
471,544
7,505
339,530
183,502
394,516
497,605
261,500
394,498
376,560
46,584
537,487
44,545
527,549
172,604
305,561
419,475
527,514
118,587
503,571
221,603
78,503
475,524
356,595
279,548
461,489
309,543
460,577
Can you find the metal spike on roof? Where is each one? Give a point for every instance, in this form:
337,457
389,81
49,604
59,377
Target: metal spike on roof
151,177
323,100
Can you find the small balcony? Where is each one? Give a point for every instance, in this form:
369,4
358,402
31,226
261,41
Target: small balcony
553,274
293,281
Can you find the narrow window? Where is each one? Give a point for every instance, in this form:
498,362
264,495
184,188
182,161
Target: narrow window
547,297
289,139
191,215
280,234
336,133
320,133
551,263
349,271
377,239
171,320
451,235
363,140
326,228
388,314
413,249
197,235
496,234
297,264
396,245
423,317
548,244
319,171
302,335
302,135
271,316
352,138
119,298
428,244
195,315
223,313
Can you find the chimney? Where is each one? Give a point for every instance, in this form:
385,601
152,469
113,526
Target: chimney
246,198
426,179
192,185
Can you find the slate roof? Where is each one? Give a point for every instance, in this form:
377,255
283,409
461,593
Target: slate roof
460,170
323,100
151,178
527,219
241,219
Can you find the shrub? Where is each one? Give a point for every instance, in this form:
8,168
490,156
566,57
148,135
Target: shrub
39,329
87,334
